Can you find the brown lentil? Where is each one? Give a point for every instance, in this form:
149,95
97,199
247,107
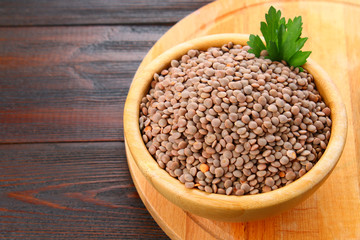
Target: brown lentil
226,122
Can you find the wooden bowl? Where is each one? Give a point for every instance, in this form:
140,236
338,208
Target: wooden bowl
222,207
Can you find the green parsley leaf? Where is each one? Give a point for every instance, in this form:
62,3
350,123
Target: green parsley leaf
273,51
256,44
299,58
283,41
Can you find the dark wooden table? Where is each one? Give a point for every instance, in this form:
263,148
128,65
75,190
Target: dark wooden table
65,70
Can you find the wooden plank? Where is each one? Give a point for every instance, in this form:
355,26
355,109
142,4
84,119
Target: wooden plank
333,212
90,12
68,83
70,190
353,63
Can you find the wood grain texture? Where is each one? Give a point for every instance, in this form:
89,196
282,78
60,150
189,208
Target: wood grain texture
91,12
333,212
68,191
68,83
63,82
85,107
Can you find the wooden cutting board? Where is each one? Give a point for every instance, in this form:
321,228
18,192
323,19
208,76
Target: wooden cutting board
333,212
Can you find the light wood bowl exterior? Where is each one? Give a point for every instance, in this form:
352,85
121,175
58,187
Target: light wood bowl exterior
222,207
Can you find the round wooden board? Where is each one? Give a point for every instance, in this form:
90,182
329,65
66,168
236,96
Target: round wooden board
333,212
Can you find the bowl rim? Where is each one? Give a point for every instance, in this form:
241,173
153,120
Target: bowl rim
175,191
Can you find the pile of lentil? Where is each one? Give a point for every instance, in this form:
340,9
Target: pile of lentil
226,122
